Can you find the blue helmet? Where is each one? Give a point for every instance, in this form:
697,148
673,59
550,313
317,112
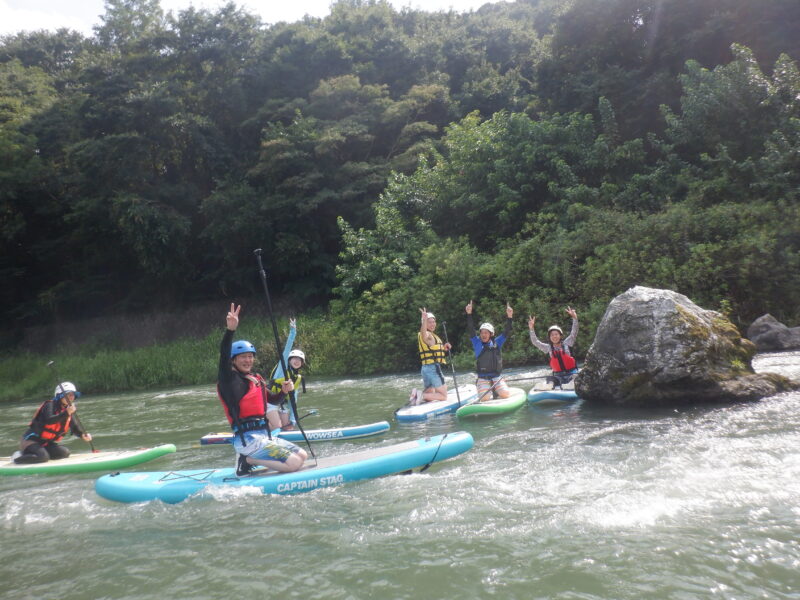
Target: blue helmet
242,346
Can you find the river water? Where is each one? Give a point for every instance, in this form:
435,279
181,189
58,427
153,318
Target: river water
563,502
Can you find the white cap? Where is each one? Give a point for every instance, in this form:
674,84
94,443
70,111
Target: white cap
430,316
488,327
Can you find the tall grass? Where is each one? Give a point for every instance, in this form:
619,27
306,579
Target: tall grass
186,361
328,342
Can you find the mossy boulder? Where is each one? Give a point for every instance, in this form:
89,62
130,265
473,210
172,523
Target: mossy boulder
657,347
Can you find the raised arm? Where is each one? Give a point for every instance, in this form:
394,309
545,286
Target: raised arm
573,334
534,340
231,324
287,348
423,328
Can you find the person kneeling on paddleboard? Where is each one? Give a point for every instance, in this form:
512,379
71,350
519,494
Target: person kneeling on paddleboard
561,360
245,395
489,362
432,355
295,360
53,419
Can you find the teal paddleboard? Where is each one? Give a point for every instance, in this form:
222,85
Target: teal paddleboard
377,461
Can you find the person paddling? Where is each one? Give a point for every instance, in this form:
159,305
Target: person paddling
53,419
295,360
245,395
432,355
561,360
489,362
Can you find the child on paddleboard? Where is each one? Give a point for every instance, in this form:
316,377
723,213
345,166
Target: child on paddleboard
295,359
489,361
561,360
432,355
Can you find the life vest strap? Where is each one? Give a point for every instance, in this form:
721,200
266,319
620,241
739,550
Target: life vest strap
249,425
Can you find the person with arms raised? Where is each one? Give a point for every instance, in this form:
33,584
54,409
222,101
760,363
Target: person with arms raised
489,361
559,349
295,359
245,395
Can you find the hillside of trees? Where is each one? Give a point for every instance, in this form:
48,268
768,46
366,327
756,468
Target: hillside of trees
540,152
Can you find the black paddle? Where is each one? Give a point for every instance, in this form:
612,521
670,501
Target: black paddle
74,417
292,401
450,357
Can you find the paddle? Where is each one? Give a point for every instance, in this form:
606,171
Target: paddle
292,401
310,413
450,357
74,417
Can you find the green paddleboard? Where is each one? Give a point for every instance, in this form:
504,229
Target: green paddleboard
495,407
89,461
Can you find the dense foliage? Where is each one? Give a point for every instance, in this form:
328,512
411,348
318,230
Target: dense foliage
539,152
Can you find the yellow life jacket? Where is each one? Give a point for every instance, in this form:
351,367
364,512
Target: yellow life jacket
297,379
431,354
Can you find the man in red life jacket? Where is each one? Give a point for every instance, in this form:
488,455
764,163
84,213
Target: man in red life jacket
245,396
561,360
53,419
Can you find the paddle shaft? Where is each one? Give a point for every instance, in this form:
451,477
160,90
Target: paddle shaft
292,401
499,379
450,357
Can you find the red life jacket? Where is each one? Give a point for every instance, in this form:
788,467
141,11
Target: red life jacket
560,360
252,403
51,432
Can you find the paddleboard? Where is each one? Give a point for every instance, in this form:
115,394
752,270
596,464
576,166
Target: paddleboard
427,410
495,407
313,435
176,486
83,462
543,393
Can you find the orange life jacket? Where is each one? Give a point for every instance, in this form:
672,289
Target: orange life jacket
51,432
561,360
252,403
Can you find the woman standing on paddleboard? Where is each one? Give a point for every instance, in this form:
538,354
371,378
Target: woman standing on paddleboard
561,360
52,421
245,396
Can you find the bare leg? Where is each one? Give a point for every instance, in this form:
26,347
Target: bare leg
435,394
293,463
273,420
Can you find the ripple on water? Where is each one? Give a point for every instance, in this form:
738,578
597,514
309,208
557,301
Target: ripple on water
570,502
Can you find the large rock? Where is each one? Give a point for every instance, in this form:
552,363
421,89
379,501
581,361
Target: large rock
770,335
657,347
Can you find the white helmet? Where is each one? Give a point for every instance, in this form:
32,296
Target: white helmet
298,354
430,316
555,328
64,388
488,327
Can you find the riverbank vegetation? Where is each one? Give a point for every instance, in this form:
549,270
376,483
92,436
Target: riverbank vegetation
540,153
